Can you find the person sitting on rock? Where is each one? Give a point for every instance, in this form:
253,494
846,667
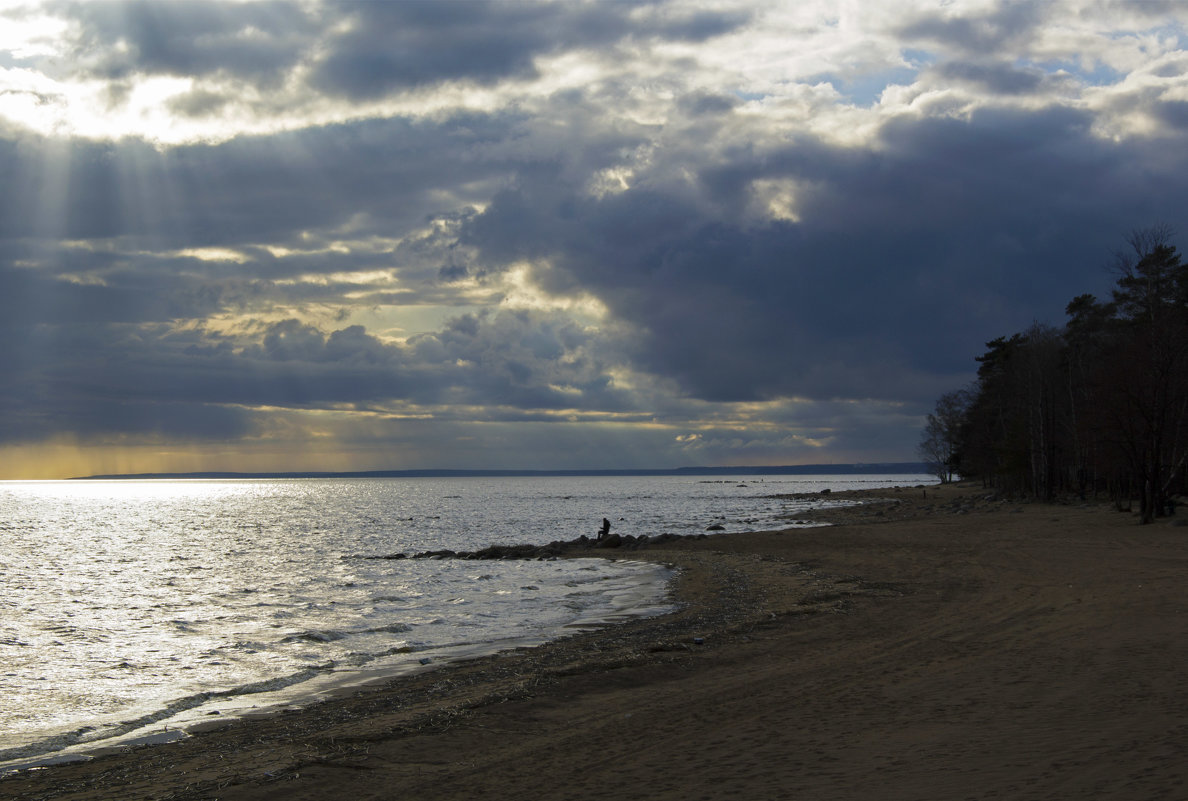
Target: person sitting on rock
602,532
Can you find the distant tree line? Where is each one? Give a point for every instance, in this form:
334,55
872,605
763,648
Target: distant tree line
1098,406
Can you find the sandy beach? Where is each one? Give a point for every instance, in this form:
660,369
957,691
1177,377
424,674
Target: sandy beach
929,645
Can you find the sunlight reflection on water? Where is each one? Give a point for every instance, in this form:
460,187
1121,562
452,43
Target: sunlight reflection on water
124,601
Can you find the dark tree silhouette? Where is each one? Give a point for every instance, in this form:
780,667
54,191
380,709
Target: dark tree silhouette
1099,405
1148,394
942,433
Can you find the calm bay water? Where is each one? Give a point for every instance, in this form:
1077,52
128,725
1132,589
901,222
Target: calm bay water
133,608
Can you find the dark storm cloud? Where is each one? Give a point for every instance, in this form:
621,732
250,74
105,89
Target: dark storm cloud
998,29
258,41
77,375
248,189
32,416
199,103
381,176
94,380
705,103
1174,113
144,287
523,359
72,286
1003,79
907,256
372,48
392,46
36,297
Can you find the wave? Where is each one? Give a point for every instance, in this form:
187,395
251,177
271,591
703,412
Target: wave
94,734
333,635
316,636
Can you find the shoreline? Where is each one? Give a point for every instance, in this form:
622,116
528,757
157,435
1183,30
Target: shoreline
646,593
936,643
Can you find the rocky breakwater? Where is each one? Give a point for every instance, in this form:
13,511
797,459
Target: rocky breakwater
552,550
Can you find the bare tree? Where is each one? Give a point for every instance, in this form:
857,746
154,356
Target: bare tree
942,433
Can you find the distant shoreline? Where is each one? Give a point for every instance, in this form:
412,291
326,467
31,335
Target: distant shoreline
882,468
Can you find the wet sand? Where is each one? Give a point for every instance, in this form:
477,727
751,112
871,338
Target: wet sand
949,646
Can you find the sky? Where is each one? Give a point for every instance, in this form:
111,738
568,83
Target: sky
302,235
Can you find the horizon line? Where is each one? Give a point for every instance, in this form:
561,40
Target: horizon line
853,468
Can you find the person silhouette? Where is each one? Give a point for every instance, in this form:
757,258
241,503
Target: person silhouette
602,532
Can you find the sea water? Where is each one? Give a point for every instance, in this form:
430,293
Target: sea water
133,609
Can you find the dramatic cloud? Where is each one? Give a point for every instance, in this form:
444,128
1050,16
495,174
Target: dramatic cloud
391,46
271,235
